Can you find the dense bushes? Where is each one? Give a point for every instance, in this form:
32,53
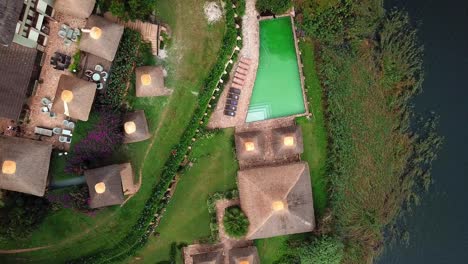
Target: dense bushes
156,203
235,222
122,69
273,6
20,214
322,250
211,202
130,9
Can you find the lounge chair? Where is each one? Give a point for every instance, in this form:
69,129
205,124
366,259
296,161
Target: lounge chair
233,96
238,81
237,86
232,102
240,75
235,91
230,107
229,113
245,60
241,71
244,66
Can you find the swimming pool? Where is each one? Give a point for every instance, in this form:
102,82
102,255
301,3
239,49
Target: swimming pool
277,91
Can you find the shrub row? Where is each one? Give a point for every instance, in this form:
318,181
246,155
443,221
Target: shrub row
155,206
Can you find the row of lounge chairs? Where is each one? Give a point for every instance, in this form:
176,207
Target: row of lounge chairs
237,84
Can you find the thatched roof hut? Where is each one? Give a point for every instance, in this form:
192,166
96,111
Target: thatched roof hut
108,184
287,141
277,200
250,145
246,255
10,11
74,97
103,37
75,8
136,127
150,82
24,165
214,257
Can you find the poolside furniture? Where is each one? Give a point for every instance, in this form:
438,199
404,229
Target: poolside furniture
238,81
237,86
230,107
66,132
239,75
46,101
245,60
57,130
98,68
235,91
43,131
65,122
229,113
243,66
62,139
232,102
241,71
45,109
96,77
233,96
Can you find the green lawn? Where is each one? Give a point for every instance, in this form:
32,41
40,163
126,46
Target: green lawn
193,52
315,153
187,218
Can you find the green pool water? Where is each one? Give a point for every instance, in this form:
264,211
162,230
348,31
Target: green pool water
277,91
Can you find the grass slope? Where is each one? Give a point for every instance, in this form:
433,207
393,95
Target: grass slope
72,234
187,218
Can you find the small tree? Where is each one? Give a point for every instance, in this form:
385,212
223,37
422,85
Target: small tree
273,6
235,222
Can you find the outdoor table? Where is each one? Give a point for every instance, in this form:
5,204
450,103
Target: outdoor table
66,132
96,77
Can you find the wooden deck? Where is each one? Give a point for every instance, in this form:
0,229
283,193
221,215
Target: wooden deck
149,32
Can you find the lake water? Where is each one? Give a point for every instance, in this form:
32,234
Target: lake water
439,227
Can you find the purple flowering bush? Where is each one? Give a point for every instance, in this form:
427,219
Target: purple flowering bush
100,142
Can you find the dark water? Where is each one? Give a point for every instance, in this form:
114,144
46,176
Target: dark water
439,227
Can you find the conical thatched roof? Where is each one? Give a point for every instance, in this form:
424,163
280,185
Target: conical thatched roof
82,97
24,165
10,11
215,257
150,82
246,255
75,8
250,145
105,46
277,200
105,185
135,127
287,141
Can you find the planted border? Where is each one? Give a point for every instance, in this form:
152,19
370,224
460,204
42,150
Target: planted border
156,204
211,202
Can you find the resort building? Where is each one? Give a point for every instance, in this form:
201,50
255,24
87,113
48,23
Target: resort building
108,185
250,145
24,33
135,127
150,82
24,165
75,8
74,97
287,141
101,37
277,200
246,255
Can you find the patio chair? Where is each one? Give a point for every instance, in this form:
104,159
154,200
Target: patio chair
98,68
88,73
100,86
45,109
62,139
65,122
68,140
52,115
104,74
71,125
57,130
67,42
62,33
45,101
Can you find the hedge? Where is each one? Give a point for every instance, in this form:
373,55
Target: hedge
156,204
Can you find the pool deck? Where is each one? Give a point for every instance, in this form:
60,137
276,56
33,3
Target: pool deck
251,50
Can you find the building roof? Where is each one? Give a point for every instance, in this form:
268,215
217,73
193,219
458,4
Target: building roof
277,200
74,8
83,93
109,38
10,11
127,175
136,119
287,141
16,67
214,257
150,82
105,185
30,165
244,255
250,145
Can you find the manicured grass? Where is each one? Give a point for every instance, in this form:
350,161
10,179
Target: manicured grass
315,154
73,234
187,219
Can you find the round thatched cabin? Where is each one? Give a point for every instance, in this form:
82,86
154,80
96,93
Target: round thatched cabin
277,200
75,8
24,165
74,97
136,127
150,82
101,37
108,185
